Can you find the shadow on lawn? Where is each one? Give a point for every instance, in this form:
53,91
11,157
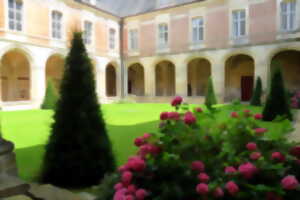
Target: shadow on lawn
29,159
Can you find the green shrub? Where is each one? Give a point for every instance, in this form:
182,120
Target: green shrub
51,96
79,151
257,93
189,159
277,101
210,98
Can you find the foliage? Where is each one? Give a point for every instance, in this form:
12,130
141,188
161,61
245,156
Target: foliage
256,97
51,96
79,151
190,159
295,100
210,98
277,101
105,188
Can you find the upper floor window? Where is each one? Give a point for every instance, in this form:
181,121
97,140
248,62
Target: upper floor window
56,25
133,39
197,29
15,12
87,33
288,15
112,38
163,2
163,35
239,23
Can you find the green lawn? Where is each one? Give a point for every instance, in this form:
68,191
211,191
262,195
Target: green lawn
29,130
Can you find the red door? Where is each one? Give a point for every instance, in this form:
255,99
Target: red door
246,87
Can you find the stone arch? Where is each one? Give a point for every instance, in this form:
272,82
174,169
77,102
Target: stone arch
165,78
239,77
136,79
199,71
111,80
289,62
15,76
55,69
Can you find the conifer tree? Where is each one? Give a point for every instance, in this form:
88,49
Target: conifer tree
277,102
256,98
79,151
51,96
210,98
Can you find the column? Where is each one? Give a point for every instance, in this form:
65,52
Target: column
149,77
38,84
218,77
262,68
181,77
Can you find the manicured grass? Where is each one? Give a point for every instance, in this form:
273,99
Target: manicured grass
29,130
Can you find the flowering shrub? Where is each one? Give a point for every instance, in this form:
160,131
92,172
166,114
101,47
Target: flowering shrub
295,100
195,158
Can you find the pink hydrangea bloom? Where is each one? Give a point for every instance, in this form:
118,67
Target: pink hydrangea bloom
247,170
164,115
289,183
126,177
218,193
118,186
295,151
146,136
139,141
258,116
198,166
141,194
251,146
131,189
203,177
232,188
176,101
277,156
199,110
247,111
189,118
260,131
255,155
234,115
137,164
174,116
123,168
202,189
129,197
230,170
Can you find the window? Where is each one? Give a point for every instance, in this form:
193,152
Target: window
197,29
87,33
239,23
133,39
56,25
162,35
112,38
163,2
15,8
86,1
288,15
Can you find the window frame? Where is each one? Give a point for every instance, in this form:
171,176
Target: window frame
89,40
165,34
15,21
61,25
112,40
133,39
289,26
200,28
236,30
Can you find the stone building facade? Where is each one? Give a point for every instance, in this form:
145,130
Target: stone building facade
149,50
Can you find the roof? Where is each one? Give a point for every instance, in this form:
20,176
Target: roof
124,8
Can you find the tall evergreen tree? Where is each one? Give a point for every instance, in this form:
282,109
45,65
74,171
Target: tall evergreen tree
277,102
79,151
256,98
51,96
210,98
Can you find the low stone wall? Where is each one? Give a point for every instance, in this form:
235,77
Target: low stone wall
7,159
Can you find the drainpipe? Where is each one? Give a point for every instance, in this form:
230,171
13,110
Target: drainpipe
123,72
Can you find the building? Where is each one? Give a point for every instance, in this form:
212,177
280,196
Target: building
149,50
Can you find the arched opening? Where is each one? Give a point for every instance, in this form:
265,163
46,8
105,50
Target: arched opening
289,62
239,78
111,81
136,81
165,79
15,77
55,70
199,71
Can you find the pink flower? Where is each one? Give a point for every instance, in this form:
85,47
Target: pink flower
295,151
232,188
137,164
251,146
230,170
277,156
218,193
126,177
174,116
118,186
146,136
258,116
176,101
131,189
289,183
189,118
129,197
164,115
120,194
199,110
198,166
247,111
234,115
123,168
139,141
141,194
202,188
255,155
260,131
149,149
247,170
203,177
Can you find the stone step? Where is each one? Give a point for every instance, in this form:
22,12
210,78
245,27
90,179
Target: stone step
12,186
18,197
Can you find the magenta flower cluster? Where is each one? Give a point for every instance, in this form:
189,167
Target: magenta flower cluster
295,100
